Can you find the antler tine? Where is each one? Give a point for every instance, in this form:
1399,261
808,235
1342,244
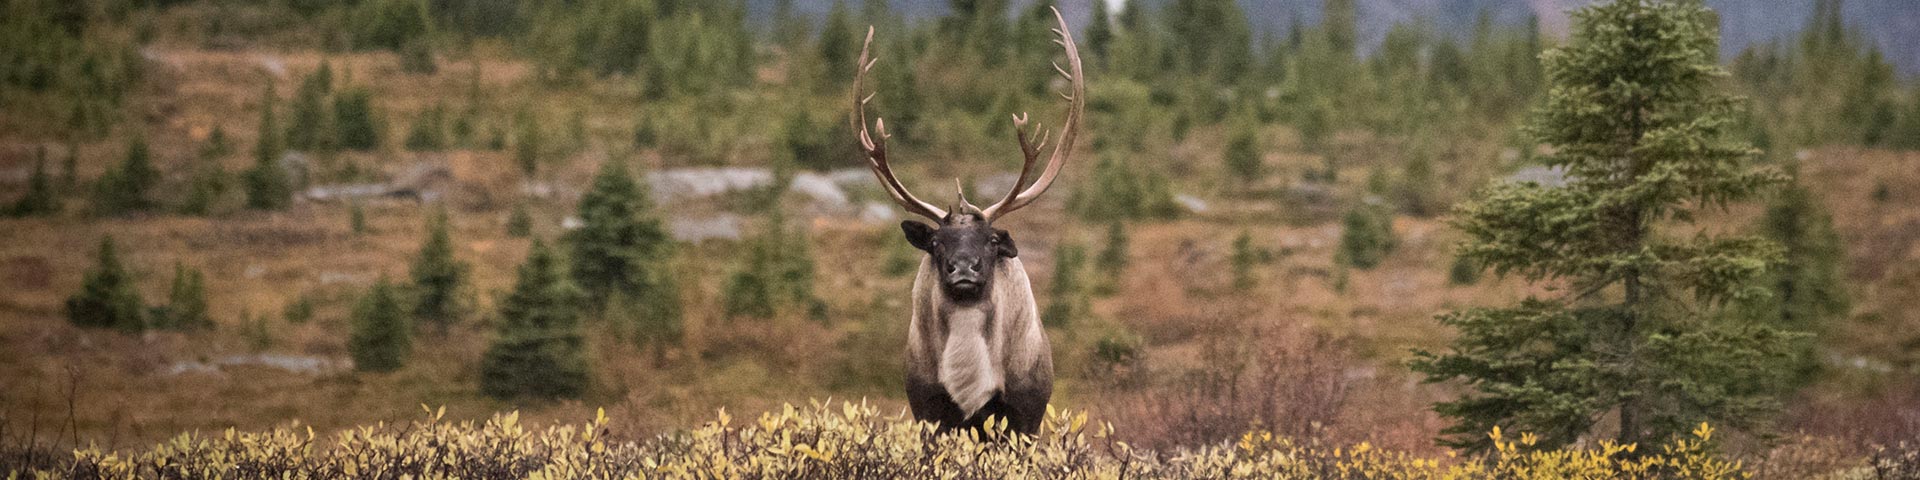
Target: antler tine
875,144
1069,130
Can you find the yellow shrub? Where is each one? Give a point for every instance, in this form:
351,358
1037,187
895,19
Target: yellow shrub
845,440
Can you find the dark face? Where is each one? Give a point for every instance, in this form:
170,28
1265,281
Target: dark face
965,251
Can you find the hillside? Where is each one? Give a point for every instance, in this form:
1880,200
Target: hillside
259,217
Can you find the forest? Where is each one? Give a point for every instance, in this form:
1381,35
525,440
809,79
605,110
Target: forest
258,238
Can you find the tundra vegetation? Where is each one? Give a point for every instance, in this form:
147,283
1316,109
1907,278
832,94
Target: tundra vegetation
1275,226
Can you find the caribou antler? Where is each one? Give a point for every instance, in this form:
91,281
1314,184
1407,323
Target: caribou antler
875,144
1076,105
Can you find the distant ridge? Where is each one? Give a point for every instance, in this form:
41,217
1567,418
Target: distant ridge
1893,25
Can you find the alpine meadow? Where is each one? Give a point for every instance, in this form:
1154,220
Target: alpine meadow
940,239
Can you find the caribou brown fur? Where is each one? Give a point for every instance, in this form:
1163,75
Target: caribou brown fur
976,349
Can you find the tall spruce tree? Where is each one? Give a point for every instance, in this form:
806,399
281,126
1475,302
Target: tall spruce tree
1635,118
539,351
1342,26
527,143
267,184
837,40
1112,260
1808,289
381,338
1244,258
108,297
1099,35
1069,302
310,126
620,246
69,168
438,277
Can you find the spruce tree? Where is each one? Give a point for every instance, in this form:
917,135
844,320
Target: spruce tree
620,246
1316,130
1099,35
1242,157
311,126
1366,237
438,277
429,131
356,218
1906,133
40,198
777,272
217,146
1244,258
837,39
381,339
1211,37
1808,289
128,187
209,183
794,270
1464,271
357,123
267,185
1635,118
539,350
520,222
1069,302
187,302
1341,24
527,144
749,291
1112,260
108,297
69,169
788,29
1420,191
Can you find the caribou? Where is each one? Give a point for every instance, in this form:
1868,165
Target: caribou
976,349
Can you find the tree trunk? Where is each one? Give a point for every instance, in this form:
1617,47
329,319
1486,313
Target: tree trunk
1630,406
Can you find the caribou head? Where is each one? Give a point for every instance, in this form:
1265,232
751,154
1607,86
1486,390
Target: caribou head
976,348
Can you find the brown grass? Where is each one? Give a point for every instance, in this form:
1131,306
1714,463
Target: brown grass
1295,354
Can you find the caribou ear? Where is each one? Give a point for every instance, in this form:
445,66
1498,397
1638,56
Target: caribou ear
918,234
1003,244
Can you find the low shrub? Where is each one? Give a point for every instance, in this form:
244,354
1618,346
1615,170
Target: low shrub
846,440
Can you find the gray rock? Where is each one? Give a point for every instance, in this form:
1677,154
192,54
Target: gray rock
1542,175
302,364
1190,203
424,182
877,213
725,226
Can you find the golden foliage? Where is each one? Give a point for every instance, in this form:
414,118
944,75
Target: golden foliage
844,440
